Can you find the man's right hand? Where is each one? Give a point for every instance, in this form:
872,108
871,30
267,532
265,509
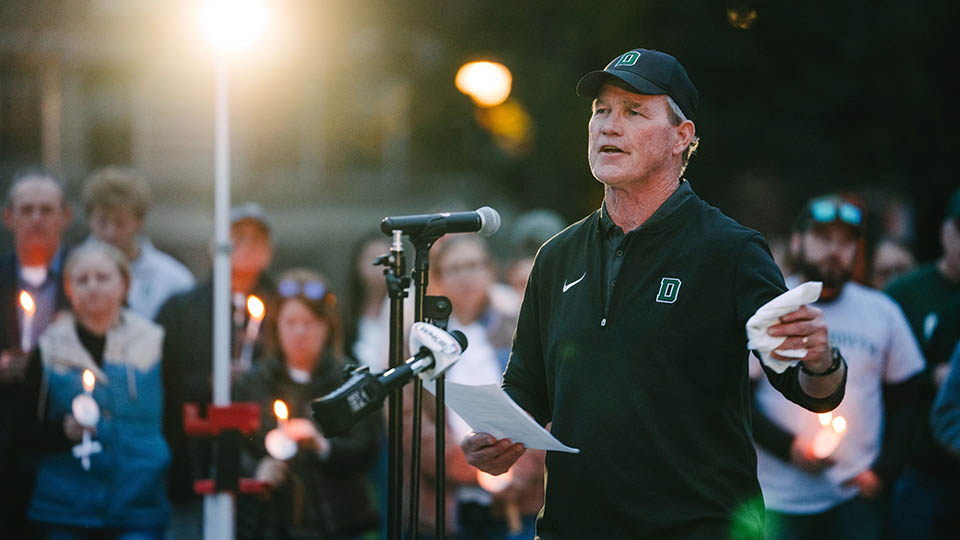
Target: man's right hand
490,455
801,456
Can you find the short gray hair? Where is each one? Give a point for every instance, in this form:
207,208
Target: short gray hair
676,118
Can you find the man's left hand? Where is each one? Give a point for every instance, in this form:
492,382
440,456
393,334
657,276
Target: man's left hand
868,483
804,329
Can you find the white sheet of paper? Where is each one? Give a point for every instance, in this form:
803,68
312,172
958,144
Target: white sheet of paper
488,409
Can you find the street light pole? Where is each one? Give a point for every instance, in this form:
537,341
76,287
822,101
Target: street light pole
218,509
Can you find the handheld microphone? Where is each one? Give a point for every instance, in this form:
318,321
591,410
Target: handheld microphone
364,392
484,220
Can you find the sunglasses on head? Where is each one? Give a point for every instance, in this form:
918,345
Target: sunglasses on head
312,290
828,210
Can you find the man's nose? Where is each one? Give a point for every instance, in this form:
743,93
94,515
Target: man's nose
611,124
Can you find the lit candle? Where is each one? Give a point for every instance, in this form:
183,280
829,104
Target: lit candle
256,310
87,413
279,444
496,484
832,430
29,308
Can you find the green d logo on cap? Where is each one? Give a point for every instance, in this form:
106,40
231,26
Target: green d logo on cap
628,59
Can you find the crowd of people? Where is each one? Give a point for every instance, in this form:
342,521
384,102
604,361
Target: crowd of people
137,320
103,346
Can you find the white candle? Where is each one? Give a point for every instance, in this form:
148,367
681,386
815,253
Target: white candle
279,444
29,308
257,311
87,414
85,408
826,440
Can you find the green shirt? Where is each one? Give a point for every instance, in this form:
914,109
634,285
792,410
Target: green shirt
924,295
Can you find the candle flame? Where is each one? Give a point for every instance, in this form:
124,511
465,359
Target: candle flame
255,307
27,303
280,409
825,418
88,380
839,424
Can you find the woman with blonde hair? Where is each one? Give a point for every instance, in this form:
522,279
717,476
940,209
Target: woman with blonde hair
119,493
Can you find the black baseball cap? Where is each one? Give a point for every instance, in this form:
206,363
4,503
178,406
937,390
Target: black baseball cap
647,72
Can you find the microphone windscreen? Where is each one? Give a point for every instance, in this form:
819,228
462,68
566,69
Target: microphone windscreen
461,339
489,220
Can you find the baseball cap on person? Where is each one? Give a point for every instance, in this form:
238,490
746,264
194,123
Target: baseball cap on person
647,72
830,209
251,210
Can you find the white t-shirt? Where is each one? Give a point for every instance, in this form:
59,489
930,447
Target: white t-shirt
875,339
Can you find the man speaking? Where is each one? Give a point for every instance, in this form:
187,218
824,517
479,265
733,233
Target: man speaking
631,339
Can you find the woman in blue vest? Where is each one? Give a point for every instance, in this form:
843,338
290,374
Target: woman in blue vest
120,494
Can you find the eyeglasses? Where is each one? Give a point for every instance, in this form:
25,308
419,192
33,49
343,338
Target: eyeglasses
312,290
828,210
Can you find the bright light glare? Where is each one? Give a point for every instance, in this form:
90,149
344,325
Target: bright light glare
233,25
280,409
27,303
488,83
255,307
89,379
839,424
825,418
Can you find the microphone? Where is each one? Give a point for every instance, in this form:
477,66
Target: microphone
484,220
364,392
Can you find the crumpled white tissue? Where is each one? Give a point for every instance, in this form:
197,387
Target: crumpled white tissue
769,314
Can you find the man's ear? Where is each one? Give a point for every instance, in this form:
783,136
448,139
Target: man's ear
686,131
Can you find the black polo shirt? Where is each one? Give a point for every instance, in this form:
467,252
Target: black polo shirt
652,385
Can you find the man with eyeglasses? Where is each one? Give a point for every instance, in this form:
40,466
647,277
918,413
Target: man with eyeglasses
631,337
809,490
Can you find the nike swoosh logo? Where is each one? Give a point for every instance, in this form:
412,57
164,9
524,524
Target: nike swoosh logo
568,285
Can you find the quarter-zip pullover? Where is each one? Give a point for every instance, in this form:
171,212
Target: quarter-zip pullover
649,380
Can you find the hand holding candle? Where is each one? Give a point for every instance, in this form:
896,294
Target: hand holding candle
279,444
826,440
29,308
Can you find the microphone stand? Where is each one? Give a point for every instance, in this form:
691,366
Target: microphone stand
397,284
433,308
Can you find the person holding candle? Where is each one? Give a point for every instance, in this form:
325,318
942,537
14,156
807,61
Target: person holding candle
117,201
825,477
122,495
187,319
323,491
37,213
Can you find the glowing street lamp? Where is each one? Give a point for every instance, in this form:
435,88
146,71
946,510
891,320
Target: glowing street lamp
231,26
487,83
